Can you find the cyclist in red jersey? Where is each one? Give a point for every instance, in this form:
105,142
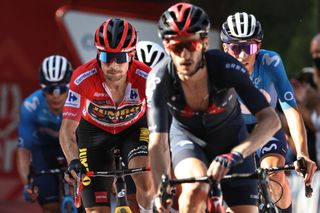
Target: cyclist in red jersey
106,108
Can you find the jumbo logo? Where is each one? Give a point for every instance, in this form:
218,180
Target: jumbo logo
112,116
84,161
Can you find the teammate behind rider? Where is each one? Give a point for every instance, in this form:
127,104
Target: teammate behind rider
106,104
242,36
150,53
199,87
40,120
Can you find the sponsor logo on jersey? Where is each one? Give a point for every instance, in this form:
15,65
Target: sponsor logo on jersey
83,76
268,60
236,67
111,115
134,94
151,86
100,94
142,73
101,102
288,96
32,105
73,99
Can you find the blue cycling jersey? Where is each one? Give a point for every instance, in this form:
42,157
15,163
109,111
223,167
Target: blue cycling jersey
270,77
38,125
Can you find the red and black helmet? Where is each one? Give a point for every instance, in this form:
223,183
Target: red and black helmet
115,35
183,19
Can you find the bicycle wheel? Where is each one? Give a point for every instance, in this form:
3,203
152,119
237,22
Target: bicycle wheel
67,205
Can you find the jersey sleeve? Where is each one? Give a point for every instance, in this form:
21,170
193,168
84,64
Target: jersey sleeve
76,99
280,80
235,75
157,97
27,126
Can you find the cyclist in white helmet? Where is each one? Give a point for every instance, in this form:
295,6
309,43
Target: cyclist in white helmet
40,121
242,36
150,53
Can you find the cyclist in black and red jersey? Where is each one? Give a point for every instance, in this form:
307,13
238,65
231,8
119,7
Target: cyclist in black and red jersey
106,104
208,136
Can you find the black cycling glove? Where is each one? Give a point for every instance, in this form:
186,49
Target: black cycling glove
76,166
229,160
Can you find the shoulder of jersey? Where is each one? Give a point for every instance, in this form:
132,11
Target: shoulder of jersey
269,58
84,71
140,69
32,102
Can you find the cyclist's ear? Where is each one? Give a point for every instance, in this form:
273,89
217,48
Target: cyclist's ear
225,47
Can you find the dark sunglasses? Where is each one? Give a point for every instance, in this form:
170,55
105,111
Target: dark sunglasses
248,48
179,46
107,57
57,89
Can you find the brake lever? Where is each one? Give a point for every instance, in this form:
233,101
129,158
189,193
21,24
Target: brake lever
303,168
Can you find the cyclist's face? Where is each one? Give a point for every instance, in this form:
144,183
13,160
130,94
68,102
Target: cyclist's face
186,53
56,100
114,71
244,52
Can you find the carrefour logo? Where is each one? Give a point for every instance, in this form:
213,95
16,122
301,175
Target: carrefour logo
83,76
73,99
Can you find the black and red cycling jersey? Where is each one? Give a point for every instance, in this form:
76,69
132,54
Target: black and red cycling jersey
90,98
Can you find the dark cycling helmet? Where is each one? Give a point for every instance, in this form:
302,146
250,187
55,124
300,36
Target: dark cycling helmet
115,35
183,19
241,27
150,53
55,70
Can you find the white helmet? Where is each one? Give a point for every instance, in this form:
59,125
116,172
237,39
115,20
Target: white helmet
55,69
150,53
241,26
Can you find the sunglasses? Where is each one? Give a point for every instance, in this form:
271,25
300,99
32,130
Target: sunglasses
248,48
107,57
189,45
57,89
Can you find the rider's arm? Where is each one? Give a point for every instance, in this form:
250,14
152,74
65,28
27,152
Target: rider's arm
67,137
159,156
157,96
26,130
267,125
297,131
23,164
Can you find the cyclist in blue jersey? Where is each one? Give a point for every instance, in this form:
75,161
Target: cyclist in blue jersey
198,88
242,36
40,120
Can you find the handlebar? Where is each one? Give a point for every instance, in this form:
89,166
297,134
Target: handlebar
260,173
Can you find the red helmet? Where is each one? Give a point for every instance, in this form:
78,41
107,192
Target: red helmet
115,35
183,19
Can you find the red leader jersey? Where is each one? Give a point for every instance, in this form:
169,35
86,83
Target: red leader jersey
90,98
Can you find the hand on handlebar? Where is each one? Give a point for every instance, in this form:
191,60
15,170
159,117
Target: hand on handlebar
307,172
163,200
306,168
221,165
30,194
74,171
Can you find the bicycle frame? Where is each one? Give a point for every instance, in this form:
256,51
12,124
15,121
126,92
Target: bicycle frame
66,201
119,173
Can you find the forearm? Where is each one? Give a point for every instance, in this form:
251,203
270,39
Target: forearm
159,153
267,125
68,141
297,131
23,164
